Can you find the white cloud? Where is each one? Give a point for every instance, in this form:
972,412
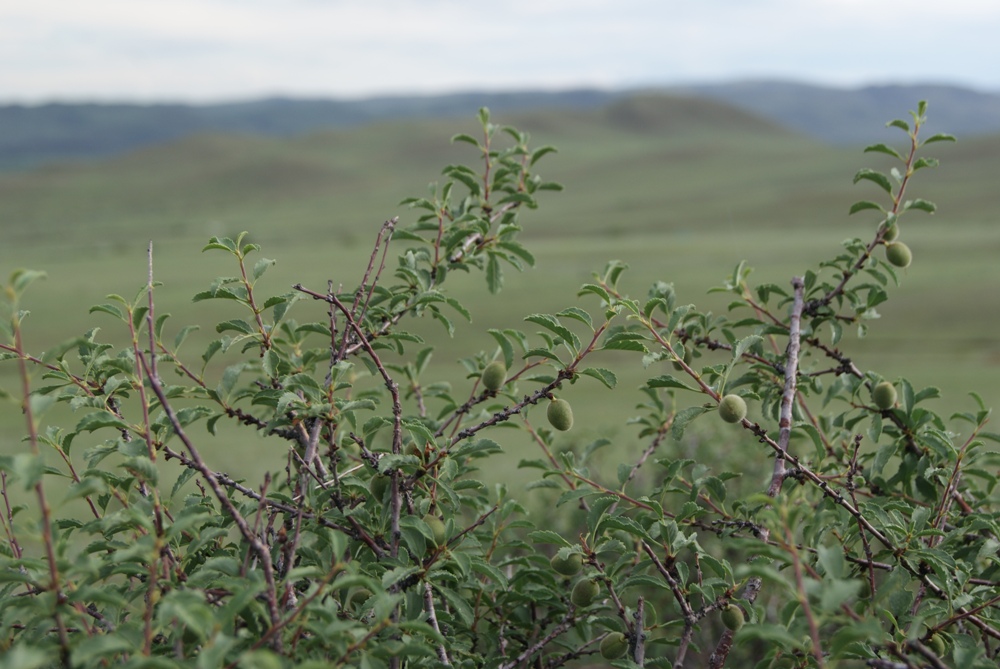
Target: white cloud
217,49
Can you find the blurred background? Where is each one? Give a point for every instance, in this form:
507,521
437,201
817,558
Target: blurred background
691,136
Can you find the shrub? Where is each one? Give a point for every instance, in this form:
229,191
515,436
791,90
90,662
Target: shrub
372,543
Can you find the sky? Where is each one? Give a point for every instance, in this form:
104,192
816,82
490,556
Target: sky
204,51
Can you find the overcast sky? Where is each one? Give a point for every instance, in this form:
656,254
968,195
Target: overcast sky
216,50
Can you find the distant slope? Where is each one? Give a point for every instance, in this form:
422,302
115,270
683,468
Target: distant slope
37,135
649,163
857,116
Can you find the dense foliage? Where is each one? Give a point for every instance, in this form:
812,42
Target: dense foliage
371,542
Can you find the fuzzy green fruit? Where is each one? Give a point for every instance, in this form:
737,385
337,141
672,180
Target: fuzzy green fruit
560,415
937,644
437,529
614,646
687,361
571,566
732,617
494,376
378,486
890,233
898,254
732,409
357,597
884,395
584,592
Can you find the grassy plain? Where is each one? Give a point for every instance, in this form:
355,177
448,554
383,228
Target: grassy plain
680,190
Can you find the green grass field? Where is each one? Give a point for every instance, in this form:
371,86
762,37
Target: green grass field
681,191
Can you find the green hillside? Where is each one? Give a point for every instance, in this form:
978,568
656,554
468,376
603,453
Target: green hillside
681,189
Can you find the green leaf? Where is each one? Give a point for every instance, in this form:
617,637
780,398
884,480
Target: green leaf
605,376
108,309
864,204
494,275
547,537
684,418
626,341
261,266
235,325
578,314
221,243
922,205
668,381
876,178
898,123
468,139
98,420
940,137
882,148
553,324
22,278
505,346
596,290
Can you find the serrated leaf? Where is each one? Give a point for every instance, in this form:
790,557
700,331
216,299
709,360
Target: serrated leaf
494,274
261,266
683,418
547,537
605,376
551,323
235,325
578,314
876,178
505,346
667,381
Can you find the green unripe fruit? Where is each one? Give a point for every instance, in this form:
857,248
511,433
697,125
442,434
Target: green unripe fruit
614,646
889,233
571,566
937,644
494,376
732,617
560,415
358,597
884,395
584,592
898,254
732,409
687,361
378,486
437,529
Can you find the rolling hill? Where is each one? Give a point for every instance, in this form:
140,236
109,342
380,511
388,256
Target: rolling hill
45,134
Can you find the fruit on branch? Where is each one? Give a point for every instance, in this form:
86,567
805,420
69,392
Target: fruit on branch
936,643
898,254
437,529
584,592
614,646
560,414
732,408
494,376
884,395
570,566
357,597
889,232
732,617
378,485
687,361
